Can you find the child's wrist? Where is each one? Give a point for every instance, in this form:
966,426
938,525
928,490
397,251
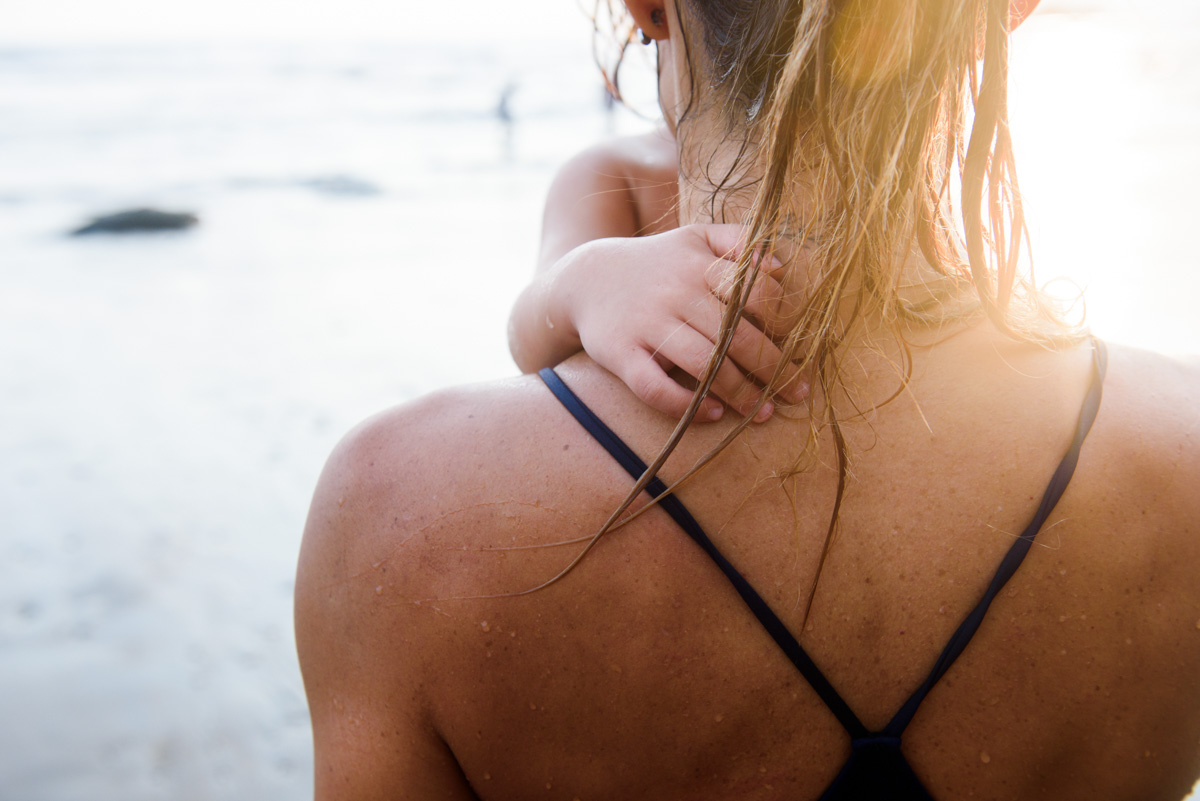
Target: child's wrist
558,306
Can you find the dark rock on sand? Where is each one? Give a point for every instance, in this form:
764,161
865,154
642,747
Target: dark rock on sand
137,221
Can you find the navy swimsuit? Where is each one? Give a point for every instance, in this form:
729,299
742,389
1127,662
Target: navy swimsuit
876,769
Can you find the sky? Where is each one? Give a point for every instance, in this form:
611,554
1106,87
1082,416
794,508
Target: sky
56,22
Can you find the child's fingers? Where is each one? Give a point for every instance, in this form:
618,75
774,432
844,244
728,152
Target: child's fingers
766,294
690,350
646,378
723,239
753,351
727,241
768,304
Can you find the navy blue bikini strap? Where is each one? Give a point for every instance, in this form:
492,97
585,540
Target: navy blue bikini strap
771,622
1016,554
672,506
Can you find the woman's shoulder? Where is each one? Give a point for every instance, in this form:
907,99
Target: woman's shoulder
1146,379
1149,411
423,513
429,448
459,432
1147,420
461,468
1142,460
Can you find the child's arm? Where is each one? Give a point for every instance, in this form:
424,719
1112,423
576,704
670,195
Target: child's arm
639,306
593,196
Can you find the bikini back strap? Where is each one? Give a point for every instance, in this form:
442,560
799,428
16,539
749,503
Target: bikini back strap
679,513
1016,554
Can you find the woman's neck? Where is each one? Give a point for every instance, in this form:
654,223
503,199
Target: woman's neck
718,181
717,175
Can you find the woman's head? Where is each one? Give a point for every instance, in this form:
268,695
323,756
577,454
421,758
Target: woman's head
744,44
854,124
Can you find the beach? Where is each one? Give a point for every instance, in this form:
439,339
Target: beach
368,211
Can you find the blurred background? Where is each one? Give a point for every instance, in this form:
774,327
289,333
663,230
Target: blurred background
368,179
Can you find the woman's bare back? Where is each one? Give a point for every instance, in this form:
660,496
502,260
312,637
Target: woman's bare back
640,674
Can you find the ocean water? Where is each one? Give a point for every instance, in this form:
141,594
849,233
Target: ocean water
366,218
367,215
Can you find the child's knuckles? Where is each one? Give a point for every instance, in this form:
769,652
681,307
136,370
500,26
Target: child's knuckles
652,390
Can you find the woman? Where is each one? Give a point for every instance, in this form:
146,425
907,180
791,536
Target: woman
885,623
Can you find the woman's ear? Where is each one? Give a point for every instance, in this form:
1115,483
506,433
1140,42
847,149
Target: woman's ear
1019,11
650,16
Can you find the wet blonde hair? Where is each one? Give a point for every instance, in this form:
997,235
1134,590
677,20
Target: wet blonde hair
876,108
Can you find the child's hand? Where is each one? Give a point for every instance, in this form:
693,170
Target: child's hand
641,306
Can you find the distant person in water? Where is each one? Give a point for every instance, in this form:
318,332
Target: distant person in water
956,561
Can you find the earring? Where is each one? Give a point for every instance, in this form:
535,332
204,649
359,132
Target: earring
645,39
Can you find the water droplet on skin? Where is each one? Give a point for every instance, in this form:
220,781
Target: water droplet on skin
341,501
719,718
376,565
1062,618
487,777
1198,624
548,785
512,634
762,769
1128,641
484,625
1147,754
984,757
379,590
532,705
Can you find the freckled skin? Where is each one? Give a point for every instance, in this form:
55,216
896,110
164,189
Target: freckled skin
640,675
